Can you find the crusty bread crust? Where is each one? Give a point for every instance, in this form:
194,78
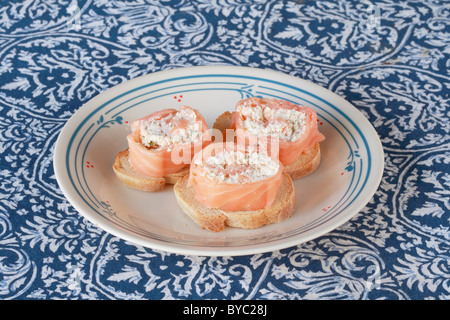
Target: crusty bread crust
216,220
307,163
133,179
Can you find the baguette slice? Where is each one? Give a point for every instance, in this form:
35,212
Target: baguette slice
307,163
216,219
133,179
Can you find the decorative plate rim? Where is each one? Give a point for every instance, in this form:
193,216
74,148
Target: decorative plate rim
61,160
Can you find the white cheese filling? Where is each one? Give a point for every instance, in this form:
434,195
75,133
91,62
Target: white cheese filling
176,128
239,167
286,124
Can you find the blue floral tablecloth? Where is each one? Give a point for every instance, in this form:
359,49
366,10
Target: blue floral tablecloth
389,59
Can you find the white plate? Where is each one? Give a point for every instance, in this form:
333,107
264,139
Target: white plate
348,176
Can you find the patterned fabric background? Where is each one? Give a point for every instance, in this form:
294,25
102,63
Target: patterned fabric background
389,59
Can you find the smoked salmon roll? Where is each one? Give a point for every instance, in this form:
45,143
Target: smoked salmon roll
237,186
294,126
287,130
232,177
161,147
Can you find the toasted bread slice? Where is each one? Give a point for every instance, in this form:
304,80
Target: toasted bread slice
216,220
304,165
133,179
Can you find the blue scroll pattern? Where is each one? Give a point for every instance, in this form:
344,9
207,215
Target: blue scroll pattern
390,60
